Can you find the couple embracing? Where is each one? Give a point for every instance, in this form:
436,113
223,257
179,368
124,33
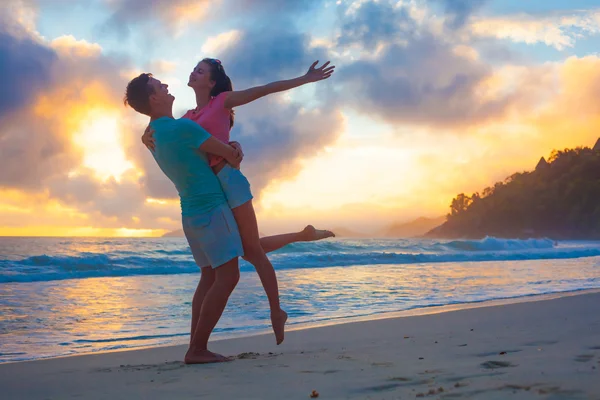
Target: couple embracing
195,152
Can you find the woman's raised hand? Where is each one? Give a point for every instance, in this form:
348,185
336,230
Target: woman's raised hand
315,74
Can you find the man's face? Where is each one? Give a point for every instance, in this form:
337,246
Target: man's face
161,96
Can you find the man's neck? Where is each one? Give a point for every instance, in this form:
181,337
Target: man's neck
159,114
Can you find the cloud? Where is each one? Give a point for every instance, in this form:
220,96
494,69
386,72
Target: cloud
275,143
460,10
431,165
368,23
83,87
560,111
52,90
161,67
38,137
110,200
276,134
25,66
397,62
176,15
415,77
558,30
30,148
67,45
173,14
219,44
279,7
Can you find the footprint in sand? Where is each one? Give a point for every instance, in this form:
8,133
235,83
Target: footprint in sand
584,357
564,394
167,366
431,371
400,379
497,364
471,377
326,372
495,353
461,384
391,386
382,364
248,356
541,343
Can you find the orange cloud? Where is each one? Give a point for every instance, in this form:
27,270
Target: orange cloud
176,15
216,45
73,163
67,45
372,182
558,108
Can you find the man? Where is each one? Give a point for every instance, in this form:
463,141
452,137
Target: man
208,223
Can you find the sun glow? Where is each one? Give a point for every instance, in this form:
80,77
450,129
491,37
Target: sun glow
99,137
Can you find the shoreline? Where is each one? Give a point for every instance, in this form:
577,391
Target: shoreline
414,312
439,309
545,348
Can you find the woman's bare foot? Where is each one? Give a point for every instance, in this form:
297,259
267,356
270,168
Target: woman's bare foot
278,323
204,357
310,234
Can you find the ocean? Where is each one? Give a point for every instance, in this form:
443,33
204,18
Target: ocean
63,296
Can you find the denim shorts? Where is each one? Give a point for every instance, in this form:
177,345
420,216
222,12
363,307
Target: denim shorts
235,186
213,237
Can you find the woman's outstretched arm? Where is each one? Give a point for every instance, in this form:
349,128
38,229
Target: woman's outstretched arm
241,97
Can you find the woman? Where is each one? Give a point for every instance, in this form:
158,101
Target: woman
215,100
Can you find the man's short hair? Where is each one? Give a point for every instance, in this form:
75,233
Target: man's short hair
138,93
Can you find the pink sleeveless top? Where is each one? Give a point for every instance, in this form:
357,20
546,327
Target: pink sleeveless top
214,118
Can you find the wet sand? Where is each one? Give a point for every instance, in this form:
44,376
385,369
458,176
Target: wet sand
543,349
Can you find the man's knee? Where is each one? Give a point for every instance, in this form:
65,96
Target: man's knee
230,281
208,275
228,274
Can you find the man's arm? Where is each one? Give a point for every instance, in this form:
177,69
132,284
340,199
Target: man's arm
206,143
218,148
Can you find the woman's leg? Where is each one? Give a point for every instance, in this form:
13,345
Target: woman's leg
254,254
308,234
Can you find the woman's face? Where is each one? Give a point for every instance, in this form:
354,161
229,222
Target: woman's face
200,77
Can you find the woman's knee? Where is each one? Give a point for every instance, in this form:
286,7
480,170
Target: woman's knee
254,253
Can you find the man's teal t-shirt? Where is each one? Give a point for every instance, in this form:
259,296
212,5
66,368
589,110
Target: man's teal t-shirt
176,152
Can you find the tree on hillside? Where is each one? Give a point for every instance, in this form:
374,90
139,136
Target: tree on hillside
560,199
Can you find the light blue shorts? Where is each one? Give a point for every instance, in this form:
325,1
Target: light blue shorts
235,186
213,237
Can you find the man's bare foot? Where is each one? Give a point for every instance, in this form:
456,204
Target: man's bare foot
311,234
278,322
204,357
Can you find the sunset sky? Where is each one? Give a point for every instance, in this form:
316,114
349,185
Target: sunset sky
429,99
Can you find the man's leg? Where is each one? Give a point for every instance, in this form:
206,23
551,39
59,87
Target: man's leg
206,280
308,234
215,300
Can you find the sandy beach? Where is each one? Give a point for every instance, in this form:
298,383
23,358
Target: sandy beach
538,349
